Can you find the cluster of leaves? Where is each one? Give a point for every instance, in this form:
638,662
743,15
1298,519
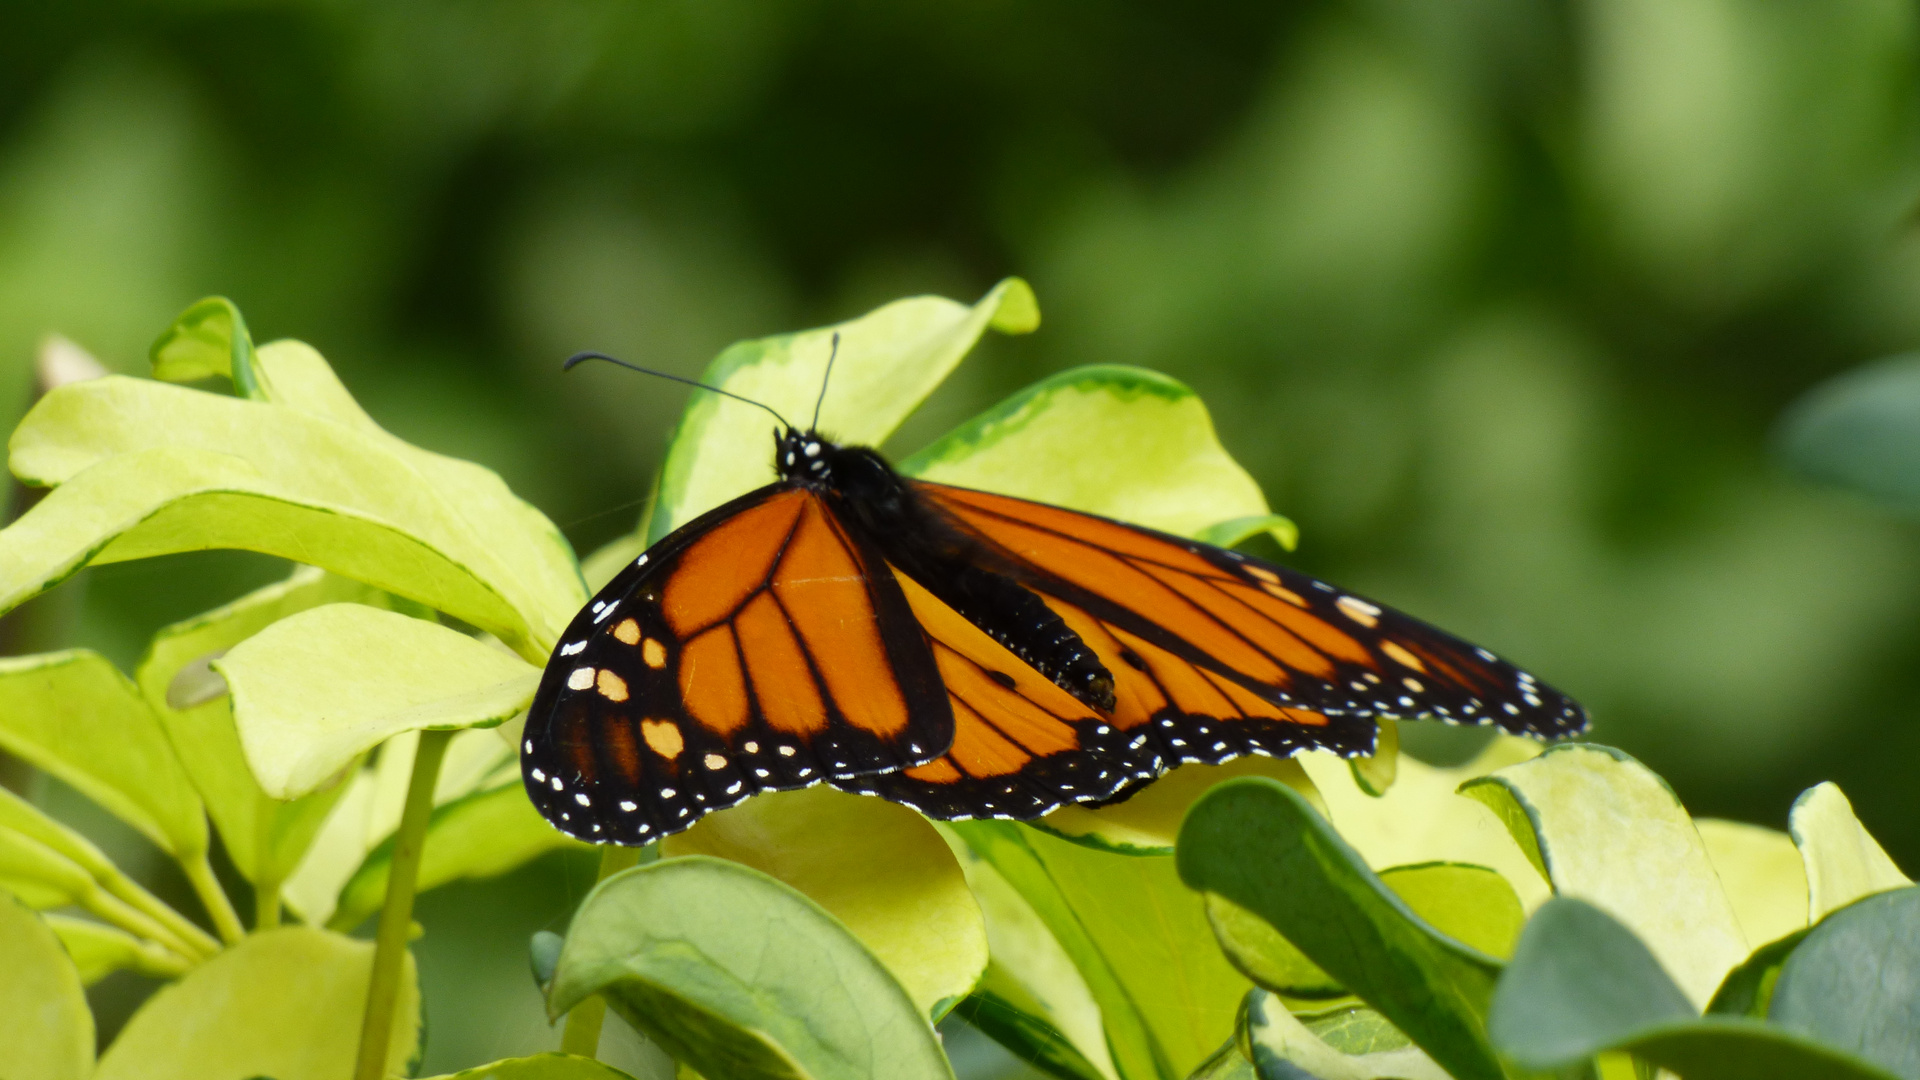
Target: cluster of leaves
1265,918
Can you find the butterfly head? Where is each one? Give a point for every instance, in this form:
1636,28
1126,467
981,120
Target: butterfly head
804,456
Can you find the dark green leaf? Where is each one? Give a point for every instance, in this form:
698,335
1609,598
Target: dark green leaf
1747,989
1854,982
1861,430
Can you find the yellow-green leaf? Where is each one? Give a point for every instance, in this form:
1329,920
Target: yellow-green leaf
889,360
99,950
1761,871
879,868
43,1009
314,691
1843,861
285,1004
1275,1035
1147,822
74,715
539,1067
1611,832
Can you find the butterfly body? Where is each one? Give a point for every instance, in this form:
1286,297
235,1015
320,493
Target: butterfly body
964,653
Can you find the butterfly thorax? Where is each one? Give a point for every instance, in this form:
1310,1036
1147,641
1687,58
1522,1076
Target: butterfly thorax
950,561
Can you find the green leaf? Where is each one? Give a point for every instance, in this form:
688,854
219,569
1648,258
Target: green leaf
1237,531
49,1029
889,360
1355,1044
1148,821
75,716
208,339
1748,989
38,873
315,690
1138,937
1861,430
1854,983
1031,998
879,868
283,1003
1375,773
1581,983
480,834
98,950
539,1067
1121,442
1762,873
1422,818
1260,845
1608,830
1843,861
737,975
264,836
144,468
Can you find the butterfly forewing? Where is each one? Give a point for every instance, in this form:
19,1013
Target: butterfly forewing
760,647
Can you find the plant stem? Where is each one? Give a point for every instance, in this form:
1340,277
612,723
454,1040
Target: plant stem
390,944
582,1033
192,941
113,910
213,898
266,905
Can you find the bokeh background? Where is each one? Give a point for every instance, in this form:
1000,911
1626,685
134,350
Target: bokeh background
1499,299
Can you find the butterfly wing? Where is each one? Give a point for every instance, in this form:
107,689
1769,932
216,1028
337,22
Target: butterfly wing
1202,623
760,647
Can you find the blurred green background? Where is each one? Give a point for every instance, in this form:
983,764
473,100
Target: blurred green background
1499,299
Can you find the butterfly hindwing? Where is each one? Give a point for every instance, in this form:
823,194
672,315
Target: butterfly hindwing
760,647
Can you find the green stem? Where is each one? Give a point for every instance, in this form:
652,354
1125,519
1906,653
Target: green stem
396,918
113,910
582,1033
213,898
194,942
266,905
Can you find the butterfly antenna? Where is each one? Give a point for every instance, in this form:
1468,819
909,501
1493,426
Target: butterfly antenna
584,356
815,426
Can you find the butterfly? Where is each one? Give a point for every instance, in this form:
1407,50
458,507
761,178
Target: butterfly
964,653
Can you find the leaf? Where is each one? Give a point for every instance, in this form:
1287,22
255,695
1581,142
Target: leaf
43,1008
98,950
40,875
1138,937
73,715
1608,830
879,868
264,836
1375,773
1748,989
1471,904
1121,442
1148,821
888,361
1422,819
1237,531
737,975
1031,999
315,690
283,1003
1854,983
1581,983
144,468
539,1067
1260,845
1358,1044
1860,430
208,339
1762,874
478,835
1843,861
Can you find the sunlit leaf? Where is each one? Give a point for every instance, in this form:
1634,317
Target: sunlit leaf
1581,983
478,835
1148,821
285,1003
208,339
1261,846
1124,443
162,468
1609,831
264,836
1375,772
1854,983
1762,873
889,361
1356,1044
1843,861
1138,937
539,1067
315,690
737,975
74,715
43,1009
879,868
98,950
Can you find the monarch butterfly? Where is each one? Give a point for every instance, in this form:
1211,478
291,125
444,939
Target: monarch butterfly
964,653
